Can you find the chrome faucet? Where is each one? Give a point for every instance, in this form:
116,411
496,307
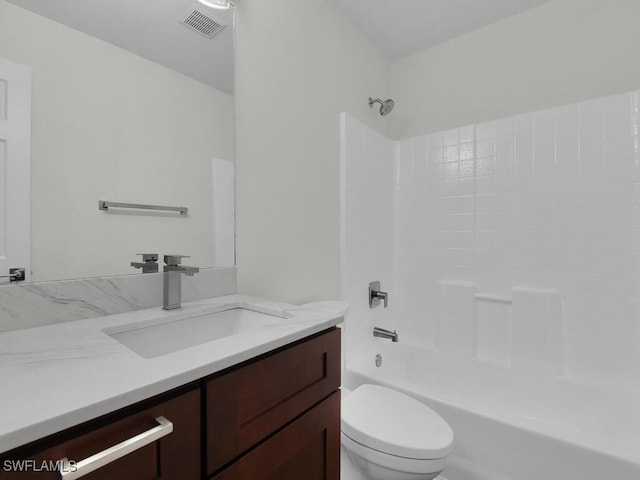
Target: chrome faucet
382,333
172,281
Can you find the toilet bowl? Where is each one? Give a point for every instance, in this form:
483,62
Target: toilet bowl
390,436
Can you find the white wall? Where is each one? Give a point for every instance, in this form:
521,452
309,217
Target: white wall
110,125
561,52
299,63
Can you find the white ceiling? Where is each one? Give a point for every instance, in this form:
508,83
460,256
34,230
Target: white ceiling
151,28
401,27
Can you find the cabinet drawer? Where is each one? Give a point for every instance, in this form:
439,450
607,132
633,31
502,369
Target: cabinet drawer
173,456
308,448
248,404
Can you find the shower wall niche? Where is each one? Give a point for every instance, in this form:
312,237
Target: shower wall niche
515,243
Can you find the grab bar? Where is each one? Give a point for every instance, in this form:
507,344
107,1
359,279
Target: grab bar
104,205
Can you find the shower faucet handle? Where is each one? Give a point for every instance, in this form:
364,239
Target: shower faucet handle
375,295
384,296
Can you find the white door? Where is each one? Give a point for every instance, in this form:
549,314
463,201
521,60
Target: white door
15,168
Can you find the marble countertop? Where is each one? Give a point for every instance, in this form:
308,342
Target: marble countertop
57,376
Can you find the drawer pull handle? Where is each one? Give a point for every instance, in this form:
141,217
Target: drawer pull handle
71,471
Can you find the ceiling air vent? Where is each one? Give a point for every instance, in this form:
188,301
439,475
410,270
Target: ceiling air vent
202,22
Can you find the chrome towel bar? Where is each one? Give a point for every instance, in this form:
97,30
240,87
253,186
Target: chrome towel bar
104,205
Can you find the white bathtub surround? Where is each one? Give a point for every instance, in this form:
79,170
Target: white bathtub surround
367,233
456,326
522,331
101,375
536,332
543,202
493,324
515,276
45,303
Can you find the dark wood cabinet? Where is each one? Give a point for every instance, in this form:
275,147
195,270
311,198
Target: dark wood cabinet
274,417
174,456
247,405
308,448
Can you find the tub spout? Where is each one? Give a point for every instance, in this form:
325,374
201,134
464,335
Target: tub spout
382,333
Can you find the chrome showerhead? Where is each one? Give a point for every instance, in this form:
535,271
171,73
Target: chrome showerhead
385,105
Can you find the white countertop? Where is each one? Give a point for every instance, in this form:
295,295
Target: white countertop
58,376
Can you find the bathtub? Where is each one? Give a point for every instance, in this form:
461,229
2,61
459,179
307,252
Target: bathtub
512,428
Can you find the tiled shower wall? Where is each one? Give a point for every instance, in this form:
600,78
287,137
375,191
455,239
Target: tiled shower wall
517,242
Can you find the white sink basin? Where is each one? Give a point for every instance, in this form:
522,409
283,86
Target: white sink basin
171,333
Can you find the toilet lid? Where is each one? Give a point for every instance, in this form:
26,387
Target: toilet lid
394,423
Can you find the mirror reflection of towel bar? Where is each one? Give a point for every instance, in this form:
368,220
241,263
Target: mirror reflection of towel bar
493,298
104,205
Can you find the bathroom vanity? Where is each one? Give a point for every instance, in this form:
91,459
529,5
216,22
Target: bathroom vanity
264,403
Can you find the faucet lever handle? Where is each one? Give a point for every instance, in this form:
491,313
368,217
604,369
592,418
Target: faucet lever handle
384,296
149,263
174,260
149,257
375,295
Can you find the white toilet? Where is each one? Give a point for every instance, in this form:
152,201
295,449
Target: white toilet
385,434
390,436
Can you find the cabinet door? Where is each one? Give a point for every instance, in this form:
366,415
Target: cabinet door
248,404
308,448
174,456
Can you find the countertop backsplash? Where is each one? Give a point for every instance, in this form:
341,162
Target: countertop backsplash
36,304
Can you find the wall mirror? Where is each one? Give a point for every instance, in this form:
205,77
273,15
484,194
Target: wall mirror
131,102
